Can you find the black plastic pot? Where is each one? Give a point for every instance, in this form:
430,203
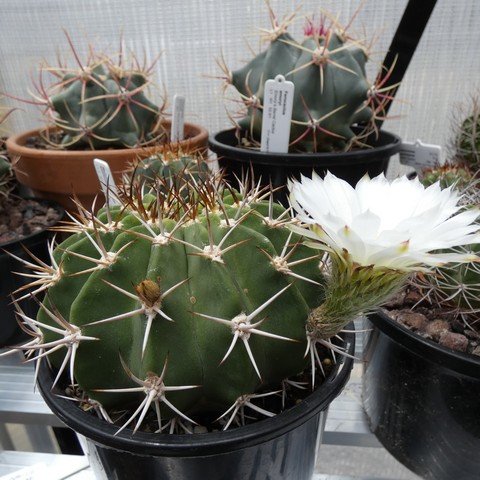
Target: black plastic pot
282,447
423,402
10,332
279,167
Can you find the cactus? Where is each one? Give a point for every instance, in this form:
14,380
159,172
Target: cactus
197,300
455,289
332,93
467,141
448,175
171,163
209,295
6,179
100,104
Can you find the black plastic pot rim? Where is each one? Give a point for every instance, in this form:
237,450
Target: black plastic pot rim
462,363
27,238
200,444
390,145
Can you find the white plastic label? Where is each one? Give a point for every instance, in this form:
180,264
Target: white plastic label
178,119
106,180
277,115
420,155
93,458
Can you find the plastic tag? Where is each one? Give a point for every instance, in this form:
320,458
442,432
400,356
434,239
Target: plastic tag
106,180
178,119
420,155
277,115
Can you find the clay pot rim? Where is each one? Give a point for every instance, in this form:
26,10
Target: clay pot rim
16,144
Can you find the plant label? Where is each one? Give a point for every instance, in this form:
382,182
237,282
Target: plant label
277,115
106,180
178,119
420,155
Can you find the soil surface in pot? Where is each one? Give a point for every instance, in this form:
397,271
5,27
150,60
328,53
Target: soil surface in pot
20,218
56,138
293,391
447,328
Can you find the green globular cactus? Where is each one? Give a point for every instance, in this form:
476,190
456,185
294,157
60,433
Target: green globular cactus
332,92
467,142
102,103
448,175
183,308
456,288
168,165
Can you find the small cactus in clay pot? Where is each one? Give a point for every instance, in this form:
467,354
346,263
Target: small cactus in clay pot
101,102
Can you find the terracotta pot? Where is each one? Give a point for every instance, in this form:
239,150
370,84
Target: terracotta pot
57,174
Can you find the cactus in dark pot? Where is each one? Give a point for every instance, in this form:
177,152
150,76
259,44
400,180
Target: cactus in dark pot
197,302
332,92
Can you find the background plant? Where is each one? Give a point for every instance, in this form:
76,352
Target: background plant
174,162
100,102
332,92
467,134
7,178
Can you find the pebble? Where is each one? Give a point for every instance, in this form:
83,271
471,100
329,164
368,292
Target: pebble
435,328
455,341
412,320
29,213
476,351
412,297
472,334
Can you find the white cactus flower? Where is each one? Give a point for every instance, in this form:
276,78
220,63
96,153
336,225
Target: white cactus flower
399,224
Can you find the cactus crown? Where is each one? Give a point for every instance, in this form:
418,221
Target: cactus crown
99,103
332,93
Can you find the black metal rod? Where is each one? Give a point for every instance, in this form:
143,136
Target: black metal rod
405,42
